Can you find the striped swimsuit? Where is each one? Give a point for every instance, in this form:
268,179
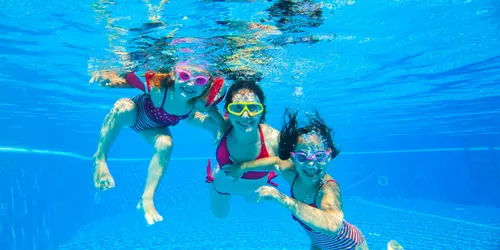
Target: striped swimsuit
349,236
149,116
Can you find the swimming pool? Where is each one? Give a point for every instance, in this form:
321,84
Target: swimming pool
411,88
59,208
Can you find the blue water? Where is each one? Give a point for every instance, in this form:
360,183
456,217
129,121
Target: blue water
412,89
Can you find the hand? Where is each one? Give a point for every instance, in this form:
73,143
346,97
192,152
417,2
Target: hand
150,213
107,78
267,193
235,170
102,177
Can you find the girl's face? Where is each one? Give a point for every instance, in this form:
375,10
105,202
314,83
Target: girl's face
311,157
245,110
191,81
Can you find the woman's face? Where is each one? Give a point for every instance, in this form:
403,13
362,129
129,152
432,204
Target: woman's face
311,157
245,110
191,81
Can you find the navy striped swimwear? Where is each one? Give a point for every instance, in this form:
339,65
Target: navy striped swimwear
349,236
149,116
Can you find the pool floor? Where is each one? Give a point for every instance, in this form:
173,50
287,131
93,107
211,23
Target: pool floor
416,224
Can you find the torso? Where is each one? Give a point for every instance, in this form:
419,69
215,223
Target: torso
349,236
159,109
172,105
250,180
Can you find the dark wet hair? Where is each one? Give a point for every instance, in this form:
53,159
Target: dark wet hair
250,85
291,131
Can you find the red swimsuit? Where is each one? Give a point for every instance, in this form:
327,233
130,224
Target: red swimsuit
222,155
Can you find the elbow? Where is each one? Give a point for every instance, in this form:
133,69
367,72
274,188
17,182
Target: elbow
335,220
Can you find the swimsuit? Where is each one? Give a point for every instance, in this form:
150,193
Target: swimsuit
349,236
149,116
222,155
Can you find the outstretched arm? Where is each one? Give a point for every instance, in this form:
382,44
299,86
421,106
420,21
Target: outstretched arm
285,168
110,79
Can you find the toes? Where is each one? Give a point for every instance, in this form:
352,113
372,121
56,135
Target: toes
159,218
149,220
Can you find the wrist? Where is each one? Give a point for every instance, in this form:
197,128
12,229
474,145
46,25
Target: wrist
279,197
244,167
283,200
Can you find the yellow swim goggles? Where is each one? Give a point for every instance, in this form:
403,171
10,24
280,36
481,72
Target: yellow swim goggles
252,108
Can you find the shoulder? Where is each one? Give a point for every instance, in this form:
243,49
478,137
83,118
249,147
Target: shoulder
329,194
329,184
271,135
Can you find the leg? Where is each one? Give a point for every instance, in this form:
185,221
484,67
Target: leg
123,113
219,203
394,245
161,139
362,246
314,247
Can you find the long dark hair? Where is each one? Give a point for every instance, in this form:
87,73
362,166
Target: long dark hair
250,85
291,131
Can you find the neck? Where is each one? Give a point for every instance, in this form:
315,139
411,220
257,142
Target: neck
177,96
312,184
246,137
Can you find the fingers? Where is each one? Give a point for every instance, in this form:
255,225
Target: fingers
236,179
228,169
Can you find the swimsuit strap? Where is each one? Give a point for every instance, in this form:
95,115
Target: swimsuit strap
164,98
262,140
293,183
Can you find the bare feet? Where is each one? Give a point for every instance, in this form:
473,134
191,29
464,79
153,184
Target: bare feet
150,213
394,245
102,178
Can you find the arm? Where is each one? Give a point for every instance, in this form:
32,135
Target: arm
211,121
326,219
272,163
201,120
267,164
110,79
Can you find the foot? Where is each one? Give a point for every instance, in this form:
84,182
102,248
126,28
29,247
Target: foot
394,245
150,213
102,178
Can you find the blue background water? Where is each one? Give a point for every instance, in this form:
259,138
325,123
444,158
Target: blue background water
411,88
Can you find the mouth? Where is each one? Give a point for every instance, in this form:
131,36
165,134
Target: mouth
187,91
246,124
311,172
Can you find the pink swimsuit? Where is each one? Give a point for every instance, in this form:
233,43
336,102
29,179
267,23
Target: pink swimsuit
222,155
347,238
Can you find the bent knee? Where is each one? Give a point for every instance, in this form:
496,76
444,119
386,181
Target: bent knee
220,211
219,214
124,106
163,143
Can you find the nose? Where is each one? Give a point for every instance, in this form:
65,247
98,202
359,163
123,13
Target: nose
245,114
190,83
